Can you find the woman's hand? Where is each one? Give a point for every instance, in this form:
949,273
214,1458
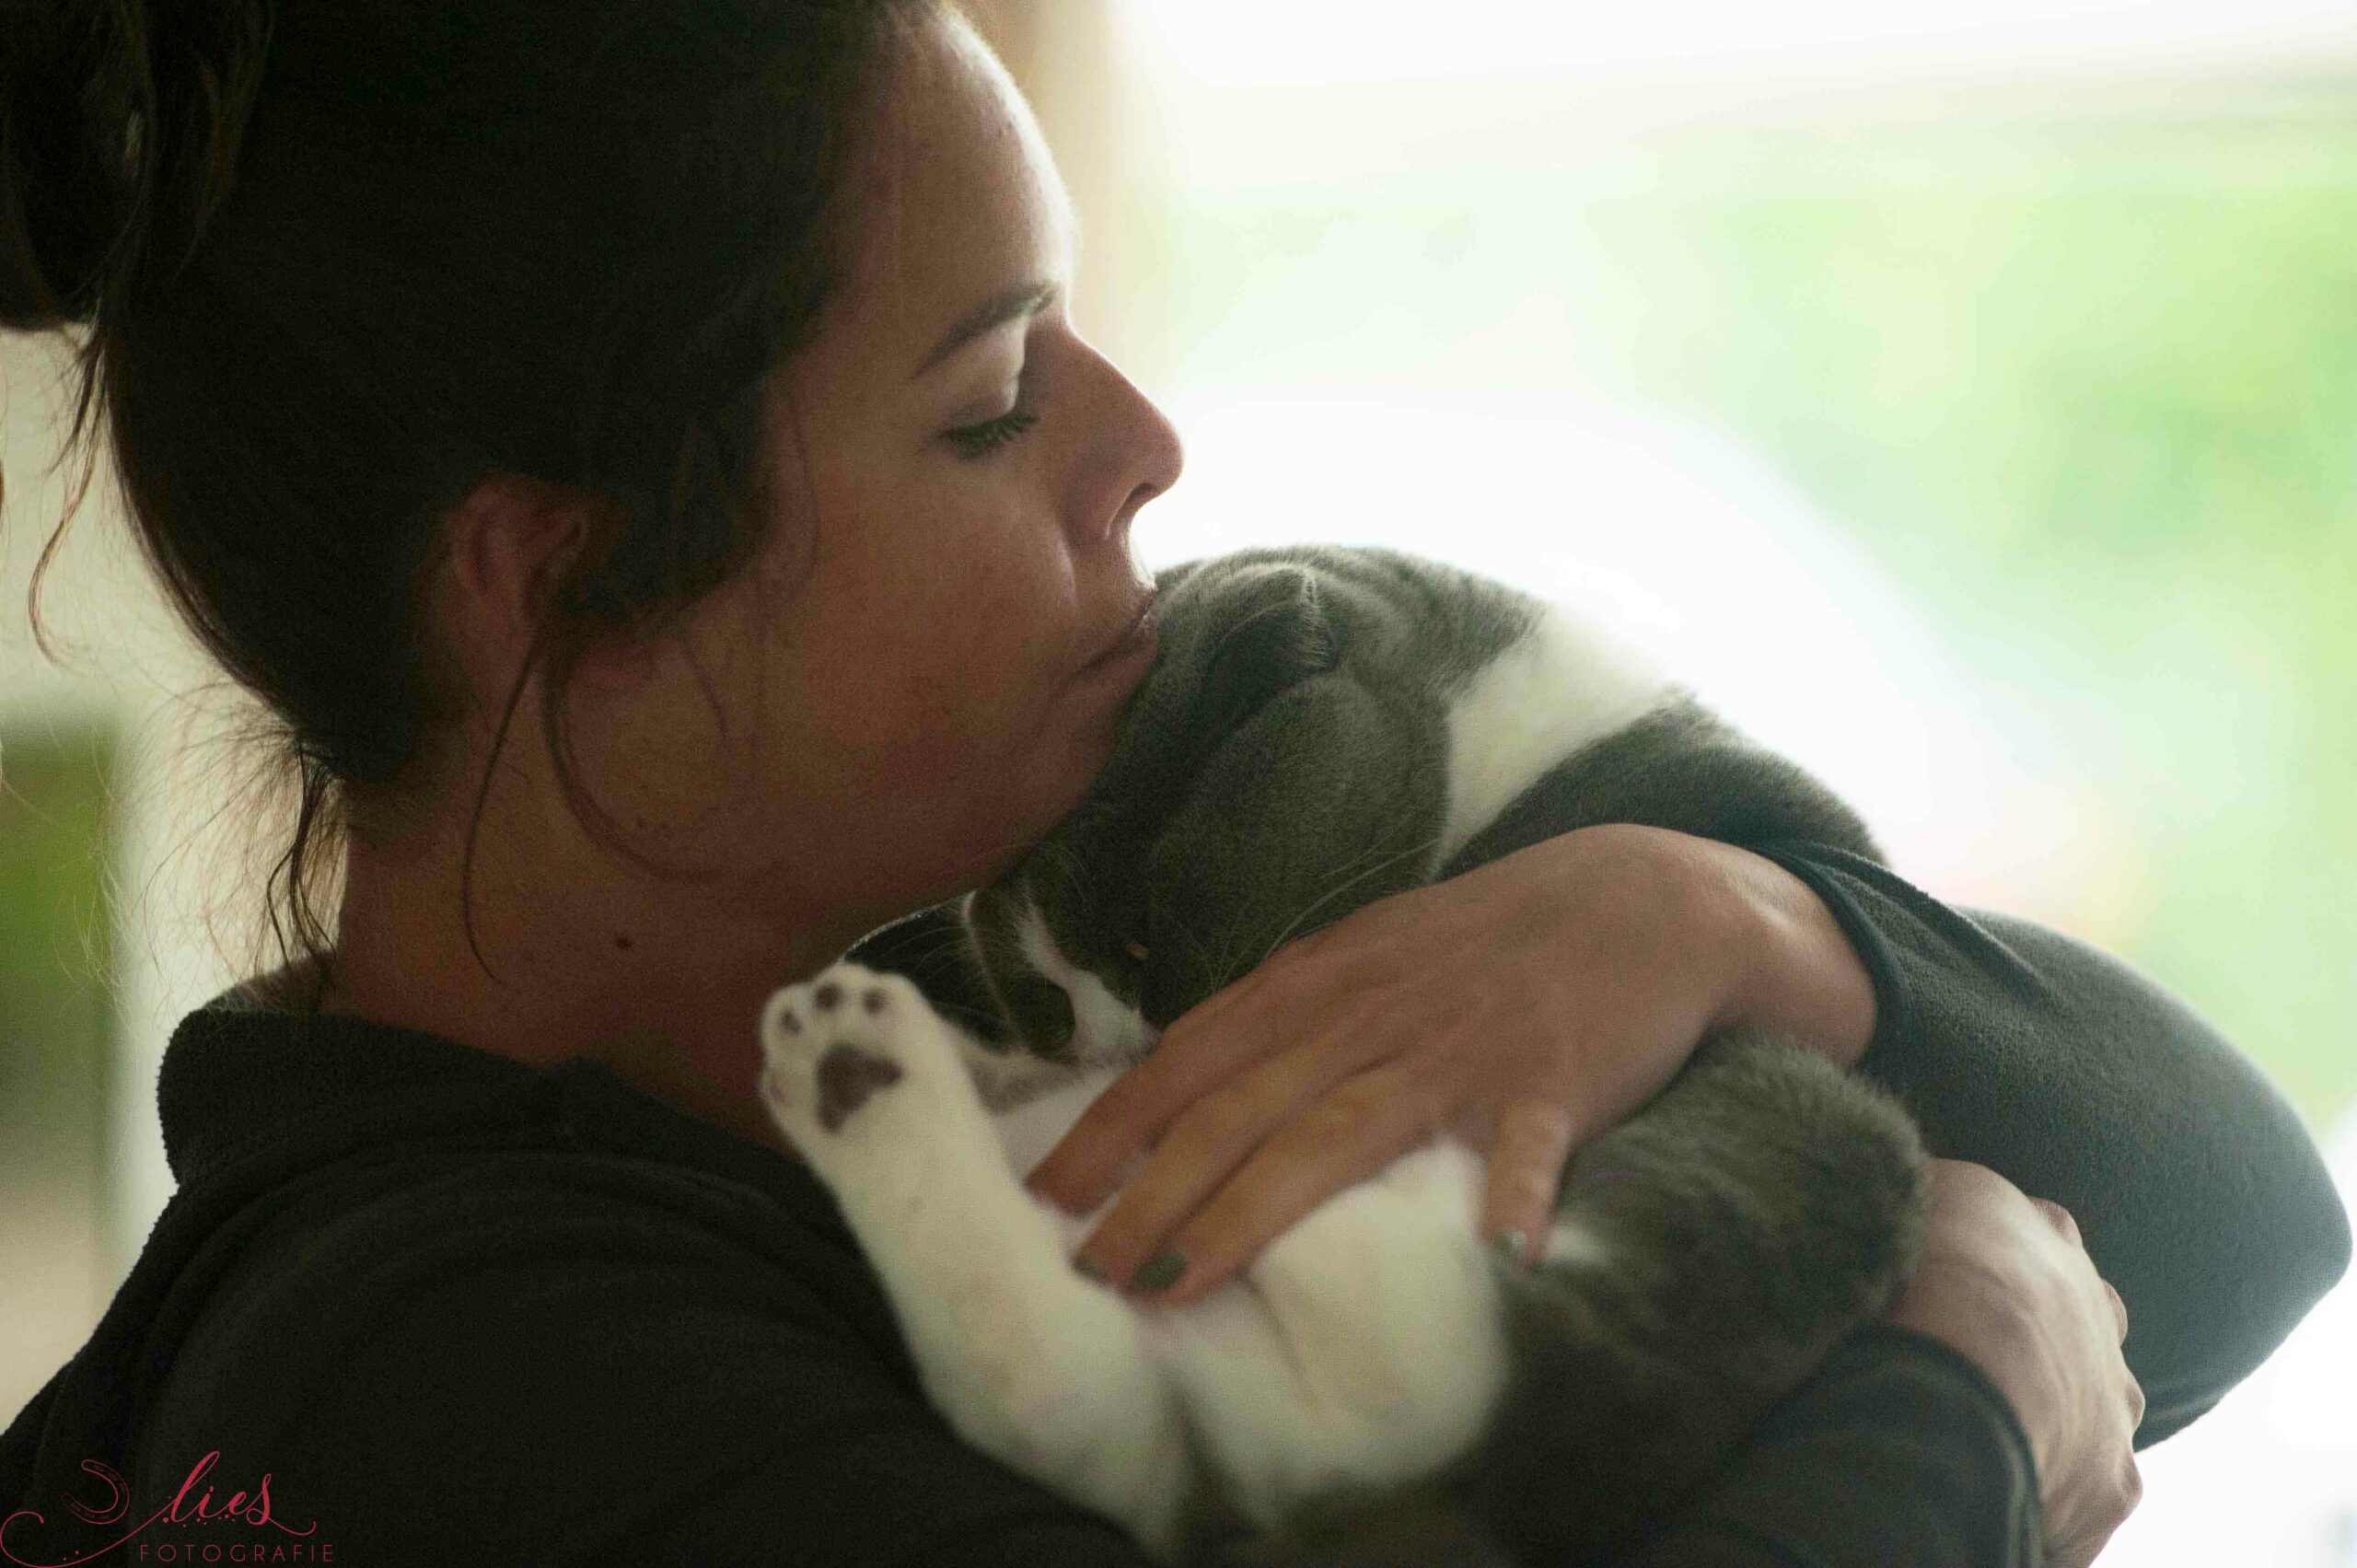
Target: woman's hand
2005,1280
1525,1006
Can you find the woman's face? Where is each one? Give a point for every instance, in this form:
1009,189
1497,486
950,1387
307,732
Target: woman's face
890,701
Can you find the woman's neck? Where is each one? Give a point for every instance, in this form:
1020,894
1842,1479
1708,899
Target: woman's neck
570,955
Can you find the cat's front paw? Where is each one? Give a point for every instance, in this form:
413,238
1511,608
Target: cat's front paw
835,1045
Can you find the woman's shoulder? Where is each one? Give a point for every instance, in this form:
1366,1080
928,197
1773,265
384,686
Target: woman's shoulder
399,1232
341,1160
456,1310
571,1356
513,1322
381,1224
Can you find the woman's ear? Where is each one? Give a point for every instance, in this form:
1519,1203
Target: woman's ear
507,543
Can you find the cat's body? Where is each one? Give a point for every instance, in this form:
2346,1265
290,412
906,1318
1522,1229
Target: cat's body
1323,728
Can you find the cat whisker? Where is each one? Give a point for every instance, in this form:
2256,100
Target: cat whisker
1345,886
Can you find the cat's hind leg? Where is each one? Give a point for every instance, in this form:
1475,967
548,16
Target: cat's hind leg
1704,1256
1028,1361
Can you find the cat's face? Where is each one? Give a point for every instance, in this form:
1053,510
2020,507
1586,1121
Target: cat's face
1256,788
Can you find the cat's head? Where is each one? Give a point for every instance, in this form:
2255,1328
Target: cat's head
1281,764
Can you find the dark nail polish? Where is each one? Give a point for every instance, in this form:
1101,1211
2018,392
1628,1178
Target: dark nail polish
1511,1243
1158,1272
1087,1269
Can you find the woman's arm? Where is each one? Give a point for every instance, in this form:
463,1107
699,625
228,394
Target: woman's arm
501,1371
1554,990
2200,1196
1898,1451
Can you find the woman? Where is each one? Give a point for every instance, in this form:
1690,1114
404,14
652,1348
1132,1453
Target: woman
641,453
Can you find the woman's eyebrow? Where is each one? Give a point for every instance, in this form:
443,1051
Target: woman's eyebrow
1023,299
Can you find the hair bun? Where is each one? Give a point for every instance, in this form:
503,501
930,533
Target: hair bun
119,133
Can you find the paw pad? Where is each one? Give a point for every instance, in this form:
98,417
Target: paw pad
846,1076
834,1043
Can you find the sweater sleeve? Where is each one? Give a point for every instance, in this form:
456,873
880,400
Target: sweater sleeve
2198,1192
516,1376
517,1372
1899,1451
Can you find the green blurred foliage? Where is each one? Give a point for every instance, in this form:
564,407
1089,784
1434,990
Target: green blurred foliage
2086,391
56,832
2100,404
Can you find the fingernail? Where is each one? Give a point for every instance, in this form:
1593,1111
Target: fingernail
1512,1243
1088,1270
1158,1272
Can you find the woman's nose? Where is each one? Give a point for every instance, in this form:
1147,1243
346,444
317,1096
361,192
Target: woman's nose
1166,456
1141,448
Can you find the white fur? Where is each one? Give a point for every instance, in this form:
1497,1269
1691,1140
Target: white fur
1364,1345
1025,1358
1562,685
1107,1031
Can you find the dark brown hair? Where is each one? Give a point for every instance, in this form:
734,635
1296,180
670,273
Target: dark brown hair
338,260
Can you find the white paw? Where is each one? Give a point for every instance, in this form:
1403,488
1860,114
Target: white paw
834,1046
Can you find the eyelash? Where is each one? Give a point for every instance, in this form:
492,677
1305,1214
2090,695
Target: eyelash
982,440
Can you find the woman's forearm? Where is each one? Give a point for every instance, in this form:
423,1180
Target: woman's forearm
1899,1450
1800,975
2201,1195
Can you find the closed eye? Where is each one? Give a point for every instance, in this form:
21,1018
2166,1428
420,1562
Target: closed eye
981,440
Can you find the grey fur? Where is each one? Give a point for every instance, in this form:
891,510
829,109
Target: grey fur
1286,762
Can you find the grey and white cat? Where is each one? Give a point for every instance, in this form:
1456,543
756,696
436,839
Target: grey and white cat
1322,727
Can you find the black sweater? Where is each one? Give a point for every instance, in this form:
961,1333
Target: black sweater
459,1310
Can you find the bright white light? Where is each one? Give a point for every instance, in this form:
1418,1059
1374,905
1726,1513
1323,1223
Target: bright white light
1237,42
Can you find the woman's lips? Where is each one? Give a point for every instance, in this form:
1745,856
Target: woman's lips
1138,638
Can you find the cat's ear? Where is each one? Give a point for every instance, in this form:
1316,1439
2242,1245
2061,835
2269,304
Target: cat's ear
1279,636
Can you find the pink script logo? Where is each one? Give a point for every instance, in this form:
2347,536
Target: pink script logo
251,1509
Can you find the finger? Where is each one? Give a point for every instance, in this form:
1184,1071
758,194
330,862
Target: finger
1206,1145
2131,1489
2118,1309
2060,1218
2135,1404
1355,1131
1532,1140
1188,1063
2094,1502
